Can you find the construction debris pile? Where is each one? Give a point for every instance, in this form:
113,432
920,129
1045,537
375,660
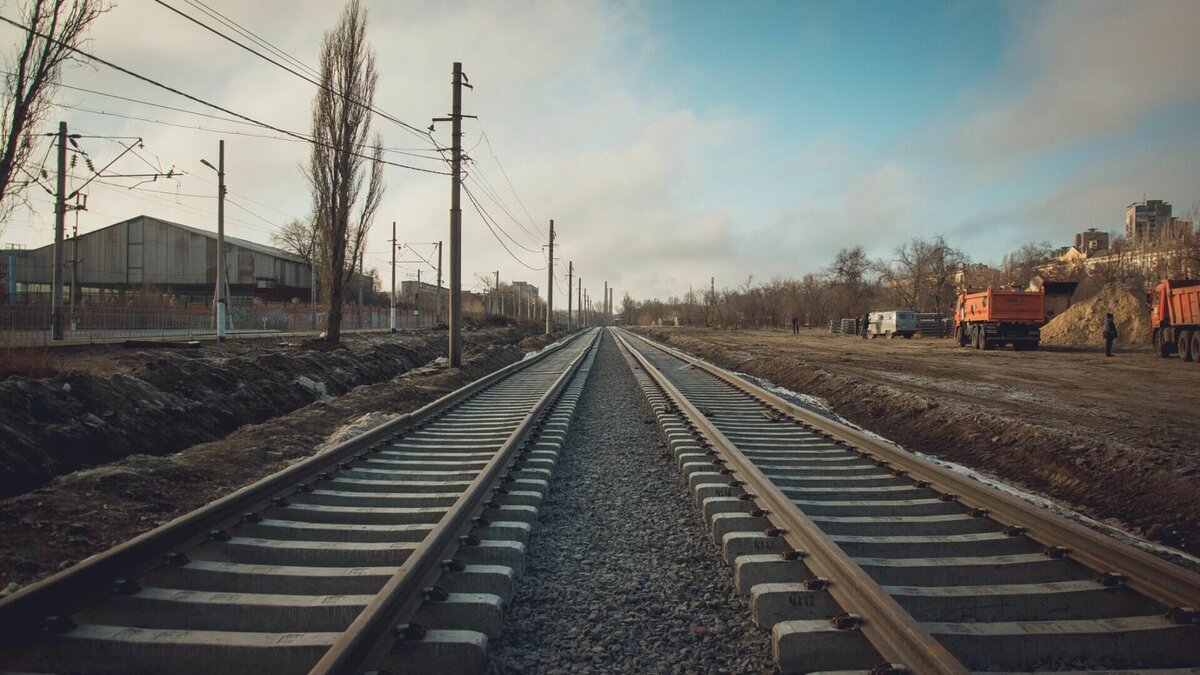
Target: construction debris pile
1083,322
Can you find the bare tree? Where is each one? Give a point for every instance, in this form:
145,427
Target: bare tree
52,29
296,236
346,181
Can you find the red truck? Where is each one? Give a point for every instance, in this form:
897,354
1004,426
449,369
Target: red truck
1175,318
991,318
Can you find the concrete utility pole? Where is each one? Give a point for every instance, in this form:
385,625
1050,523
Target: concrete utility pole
570,271
610,304
417,298
550,284
579,281
438,303
455,348
392,309
222,290
60,215
362,255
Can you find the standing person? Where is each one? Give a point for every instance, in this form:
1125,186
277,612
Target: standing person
795,325
1110,333
866,321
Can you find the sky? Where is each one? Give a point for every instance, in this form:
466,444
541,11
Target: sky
671,142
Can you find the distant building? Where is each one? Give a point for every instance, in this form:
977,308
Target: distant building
149,255
1146,221
1091,242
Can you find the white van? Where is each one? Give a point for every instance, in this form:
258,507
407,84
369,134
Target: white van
902,322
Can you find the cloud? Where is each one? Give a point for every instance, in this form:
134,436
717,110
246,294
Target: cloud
1082,70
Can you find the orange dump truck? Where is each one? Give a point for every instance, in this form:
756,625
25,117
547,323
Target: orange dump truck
1175,318
991,318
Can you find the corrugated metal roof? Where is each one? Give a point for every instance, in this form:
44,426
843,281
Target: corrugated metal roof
240,243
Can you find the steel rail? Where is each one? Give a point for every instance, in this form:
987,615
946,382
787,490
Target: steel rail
371,636
1143,572
22,613
897,636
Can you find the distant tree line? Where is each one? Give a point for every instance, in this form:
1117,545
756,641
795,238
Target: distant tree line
924,275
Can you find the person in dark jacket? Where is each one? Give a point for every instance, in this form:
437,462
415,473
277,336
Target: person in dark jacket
1110,333
866,321
795,325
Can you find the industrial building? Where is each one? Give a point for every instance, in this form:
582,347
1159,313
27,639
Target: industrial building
146,255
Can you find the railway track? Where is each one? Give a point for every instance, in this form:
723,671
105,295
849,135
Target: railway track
858,555
394,550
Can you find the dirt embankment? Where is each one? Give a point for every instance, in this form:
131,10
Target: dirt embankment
1052,423
161,401
88,511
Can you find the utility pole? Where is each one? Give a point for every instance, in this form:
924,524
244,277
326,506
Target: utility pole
497,301
438,303
604,303
570,272
550,284
417,297
60,215
579,282
361,262
610,304
312,273
222,286
455,348
392,312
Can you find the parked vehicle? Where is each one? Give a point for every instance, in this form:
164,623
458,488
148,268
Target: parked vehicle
1175,318
902,322
995,318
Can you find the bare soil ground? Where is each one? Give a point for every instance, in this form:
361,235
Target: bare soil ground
82,513
1114,438
103,404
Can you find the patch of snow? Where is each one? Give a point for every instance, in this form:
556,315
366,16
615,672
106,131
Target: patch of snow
530,355
822,408
355,427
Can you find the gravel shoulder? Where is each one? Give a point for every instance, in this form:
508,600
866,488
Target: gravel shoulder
1112,438
621,575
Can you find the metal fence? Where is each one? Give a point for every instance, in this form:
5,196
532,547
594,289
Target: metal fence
30,324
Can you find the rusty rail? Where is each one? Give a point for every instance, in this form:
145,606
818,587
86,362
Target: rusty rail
897,636
1145,573
22,613
371,636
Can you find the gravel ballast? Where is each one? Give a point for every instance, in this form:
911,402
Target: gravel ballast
621,574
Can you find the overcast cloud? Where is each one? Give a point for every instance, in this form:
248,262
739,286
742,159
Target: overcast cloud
657,177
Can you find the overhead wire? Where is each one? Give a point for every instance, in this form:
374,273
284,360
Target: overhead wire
370,107
487,220
196,99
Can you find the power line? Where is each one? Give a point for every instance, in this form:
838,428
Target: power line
201,101
487,220
492,152
321,85
249,33
296,137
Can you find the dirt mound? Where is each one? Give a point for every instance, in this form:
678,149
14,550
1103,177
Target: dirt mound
1083,322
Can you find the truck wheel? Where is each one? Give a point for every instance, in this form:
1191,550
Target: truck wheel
1196,346
960,334
1160,345
891,335
1185,346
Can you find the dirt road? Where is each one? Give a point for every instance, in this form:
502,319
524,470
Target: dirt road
1116,438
